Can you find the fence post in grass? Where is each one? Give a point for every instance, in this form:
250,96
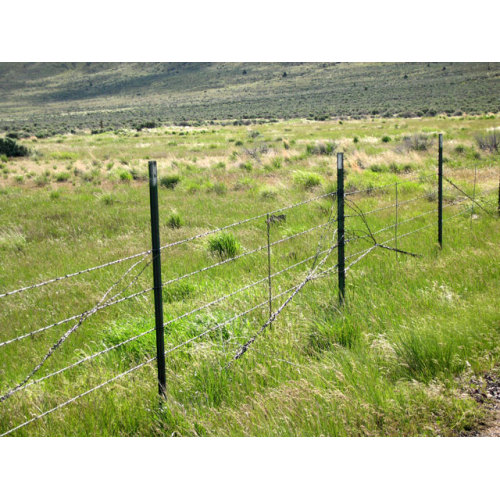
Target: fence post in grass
156,255
268,221
440,191
498,194
340,226
396,224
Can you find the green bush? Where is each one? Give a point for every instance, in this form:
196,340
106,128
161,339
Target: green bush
170,181
225,245
306,180
246,166
174,221
9,147
125,176
62,176
321,148
268,192
386,138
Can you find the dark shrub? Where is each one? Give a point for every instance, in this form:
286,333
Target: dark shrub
170,181
10,147
488,142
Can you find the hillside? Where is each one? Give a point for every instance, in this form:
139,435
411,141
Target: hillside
56,97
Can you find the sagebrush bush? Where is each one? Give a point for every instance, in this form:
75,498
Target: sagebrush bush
170,181
9,147
174,221
246,166
268,192
417,142
62,176
321,148
306,180
488,142
225,245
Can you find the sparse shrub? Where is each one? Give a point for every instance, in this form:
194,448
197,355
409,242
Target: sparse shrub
238,143
170,181
386,138
306,180
219,188
137,175
109,165
355,140
417,142
174,221
125,176
460,149
277,162
55,195
62,176
220,165
379,168
225,245
19,179
268,192
41,181
321,148
4,158
192,187
246,166
488,142
10,148
108,199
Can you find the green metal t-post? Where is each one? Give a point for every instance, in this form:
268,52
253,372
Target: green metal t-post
340,226
440,191
156,253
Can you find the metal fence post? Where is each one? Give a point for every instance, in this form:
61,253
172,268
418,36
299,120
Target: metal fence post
156,254
340,226
396,224
440,191
268,223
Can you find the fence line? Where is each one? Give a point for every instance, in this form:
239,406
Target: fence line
182,316
144,363
169,282
168,245
313,274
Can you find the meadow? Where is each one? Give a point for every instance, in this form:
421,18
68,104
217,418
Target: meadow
397,360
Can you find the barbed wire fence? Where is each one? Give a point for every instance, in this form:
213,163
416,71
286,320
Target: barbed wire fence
331,238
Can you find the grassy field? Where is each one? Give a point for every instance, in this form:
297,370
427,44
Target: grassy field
397,360
48,98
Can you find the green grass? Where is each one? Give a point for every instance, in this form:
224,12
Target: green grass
398,359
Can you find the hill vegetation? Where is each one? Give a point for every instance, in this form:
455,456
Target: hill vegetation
49,98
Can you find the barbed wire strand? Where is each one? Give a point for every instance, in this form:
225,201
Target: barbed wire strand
65,336
376,188
168,245
166,283
182,316
140,365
